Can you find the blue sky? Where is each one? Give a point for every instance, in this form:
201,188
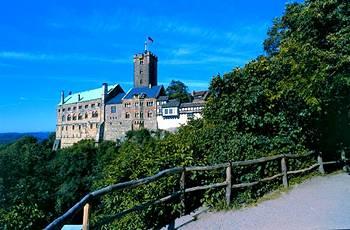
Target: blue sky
49,46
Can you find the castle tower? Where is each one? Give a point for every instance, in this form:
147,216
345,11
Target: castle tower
145,69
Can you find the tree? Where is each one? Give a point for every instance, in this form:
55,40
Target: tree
178,90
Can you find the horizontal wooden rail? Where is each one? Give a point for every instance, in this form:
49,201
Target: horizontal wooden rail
249,184
303,170
136,183
203,187
57,223
330,162
206,168
110,218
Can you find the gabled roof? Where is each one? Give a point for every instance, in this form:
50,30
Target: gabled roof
146,92
86,95
200,95
162,98
171,103
117,99
192,104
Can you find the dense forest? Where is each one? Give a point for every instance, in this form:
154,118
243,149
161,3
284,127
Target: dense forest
294,99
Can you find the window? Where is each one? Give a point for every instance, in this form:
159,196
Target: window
79,127
149,103
95,114
74,108
59,110
69,118
136,104
166,111
137,115
170,111
141,115
66,128
92,105
141,61
80,116
149,114
86,106
127,105
113,109
63,110
86,115
127,115
74,117
68,109
63,118
141,103
98,104
73,127
91,126
80,107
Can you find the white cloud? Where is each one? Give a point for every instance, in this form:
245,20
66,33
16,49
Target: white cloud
26,56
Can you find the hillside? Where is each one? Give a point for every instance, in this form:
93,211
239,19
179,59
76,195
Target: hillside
6,138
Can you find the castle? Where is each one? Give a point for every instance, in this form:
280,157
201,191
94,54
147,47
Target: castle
108,112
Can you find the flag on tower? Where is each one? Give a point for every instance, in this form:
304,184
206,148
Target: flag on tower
150,39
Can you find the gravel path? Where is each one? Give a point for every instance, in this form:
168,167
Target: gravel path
319,203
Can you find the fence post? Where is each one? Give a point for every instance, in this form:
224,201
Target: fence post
182,188
320,162
284,172
229,184
86,217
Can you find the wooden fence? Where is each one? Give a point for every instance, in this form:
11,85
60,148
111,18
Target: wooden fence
84,203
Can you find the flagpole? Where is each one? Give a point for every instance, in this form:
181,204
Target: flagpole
146,46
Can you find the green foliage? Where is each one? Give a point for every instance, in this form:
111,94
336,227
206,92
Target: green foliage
24,187
178,90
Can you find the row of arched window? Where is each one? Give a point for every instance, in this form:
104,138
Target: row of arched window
139,114
80,116
78,127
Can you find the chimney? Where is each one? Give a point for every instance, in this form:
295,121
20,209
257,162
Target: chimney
104,91
79,98
62,97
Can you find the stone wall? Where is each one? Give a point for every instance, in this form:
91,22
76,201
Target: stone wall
132,114
79,121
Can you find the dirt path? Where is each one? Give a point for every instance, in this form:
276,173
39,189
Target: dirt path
319,203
